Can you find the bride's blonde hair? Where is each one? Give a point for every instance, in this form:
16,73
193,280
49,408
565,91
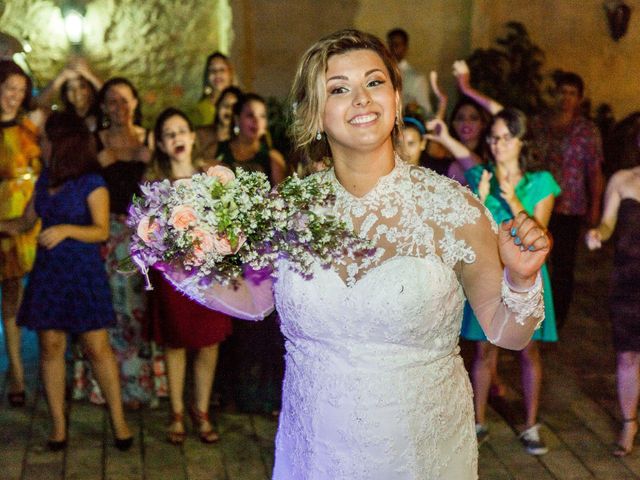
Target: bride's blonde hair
308,93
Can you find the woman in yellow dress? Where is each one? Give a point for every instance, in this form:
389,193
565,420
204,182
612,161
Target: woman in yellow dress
19,167
218,75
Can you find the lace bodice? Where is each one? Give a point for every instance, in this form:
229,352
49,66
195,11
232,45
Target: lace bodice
372,364
411,212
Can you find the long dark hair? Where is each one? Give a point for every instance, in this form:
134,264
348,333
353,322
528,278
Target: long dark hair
516,122
103,120
205,78
481,148
161,161
8,68
243,100
69,107
73,148
233,90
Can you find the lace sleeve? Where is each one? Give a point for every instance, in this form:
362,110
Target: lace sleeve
507,316
252,299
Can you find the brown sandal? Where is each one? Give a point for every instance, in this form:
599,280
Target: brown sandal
199,418
176,438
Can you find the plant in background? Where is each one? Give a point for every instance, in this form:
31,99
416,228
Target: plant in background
279,121
511,72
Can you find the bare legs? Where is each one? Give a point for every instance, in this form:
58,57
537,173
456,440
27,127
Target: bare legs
176,359
628,379
531,381
11,298
52,347
204,367
105,370
103,362
484,368
484,363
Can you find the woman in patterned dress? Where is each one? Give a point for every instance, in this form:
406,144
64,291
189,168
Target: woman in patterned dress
19,168
124,152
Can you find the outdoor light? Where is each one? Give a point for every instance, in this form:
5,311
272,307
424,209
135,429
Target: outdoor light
73,26
618,16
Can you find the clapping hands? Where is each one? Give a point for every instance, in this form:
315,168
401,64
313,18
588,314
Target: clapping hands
507,188
484,186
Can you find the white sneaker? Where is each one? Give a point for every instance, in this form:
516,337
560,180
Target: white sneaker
482,433
533,444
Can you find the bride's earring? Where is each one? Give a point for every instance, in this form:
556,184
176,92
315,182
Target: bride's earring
318,135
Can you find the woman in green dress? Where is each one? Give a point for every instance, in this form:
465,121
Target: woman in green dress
508,184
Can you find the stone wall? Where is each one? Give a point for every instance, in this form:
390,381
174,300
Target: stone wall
161,46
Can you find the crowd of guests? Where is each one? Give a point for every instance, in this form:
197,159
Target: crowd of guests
66,184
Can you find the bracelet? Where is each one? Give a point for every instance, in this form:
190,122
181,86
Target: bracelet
537,282
527,304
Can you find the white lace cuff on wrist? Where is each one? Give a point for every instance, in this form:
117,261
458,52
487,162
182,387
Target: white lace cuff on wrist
525,304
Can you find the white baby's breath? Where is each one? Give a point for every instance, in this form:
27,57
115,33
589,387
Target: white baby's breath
214,230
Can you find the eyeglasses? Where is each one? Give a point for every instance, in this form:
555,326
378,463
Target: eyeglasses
495,139
172,135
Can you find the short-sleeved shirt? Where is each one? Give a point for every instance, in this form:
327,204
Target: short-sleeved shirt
574,157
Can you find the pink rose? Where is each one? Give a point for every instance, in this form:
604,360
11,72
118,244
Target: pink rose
146,228
182,216
223,174
222,245
203,242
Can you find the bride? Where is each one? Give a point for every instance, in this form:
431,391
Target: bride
375,387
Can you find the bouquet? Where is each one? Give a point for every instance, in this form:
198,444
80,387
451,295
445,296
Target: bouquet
216,224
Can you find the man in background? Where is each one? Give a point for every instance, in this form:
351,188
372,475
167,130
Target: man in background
571,149
415,89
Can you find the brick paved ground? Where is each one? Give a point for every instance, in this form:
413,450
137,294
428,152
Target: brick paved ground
578,413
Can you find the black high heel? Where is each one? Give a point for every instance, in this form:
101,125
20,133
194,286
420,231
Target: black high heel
123,444
57,445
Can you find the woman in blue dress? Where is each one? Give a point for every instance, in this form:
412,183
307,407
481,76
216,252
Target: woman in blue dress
68,291
507,185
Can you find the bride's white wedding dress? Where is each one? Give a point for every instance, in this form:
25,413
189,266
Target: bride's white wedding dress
374,385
